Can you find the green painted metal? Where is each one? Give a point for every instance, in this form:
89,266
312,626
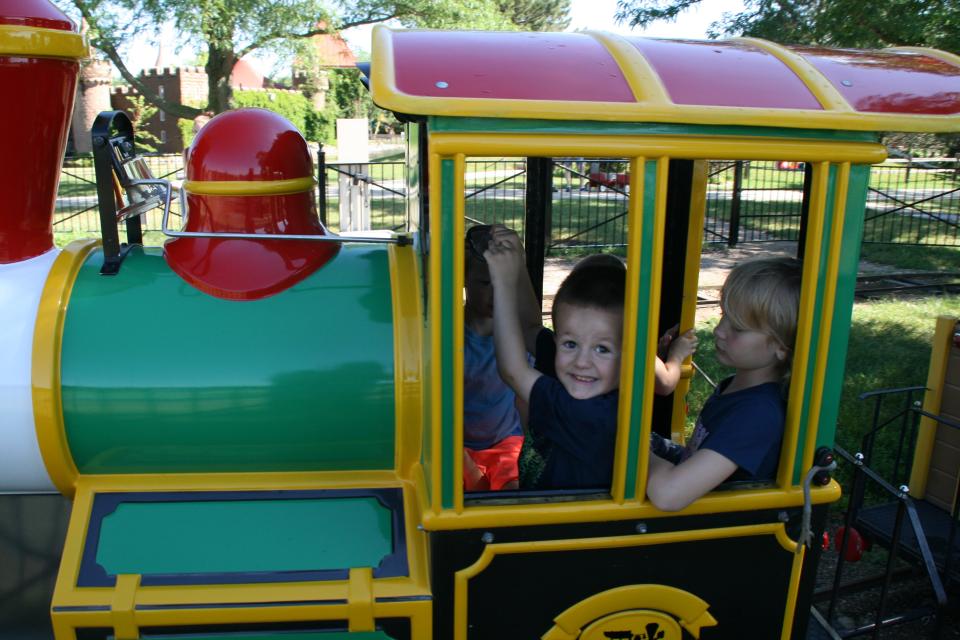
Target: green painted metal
159,377
447,304
816,328
641,371
843,305
412,168
243,536
446,124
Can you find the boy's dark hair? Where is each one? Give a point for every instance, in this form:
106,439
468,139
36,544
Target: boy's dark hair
597,284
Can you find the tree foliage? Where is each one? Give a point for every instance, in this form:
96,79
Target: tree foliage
537,15
835,23
140,113
229,30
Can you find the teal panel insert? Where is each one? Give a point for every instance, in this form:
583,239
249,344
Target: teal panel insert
180,538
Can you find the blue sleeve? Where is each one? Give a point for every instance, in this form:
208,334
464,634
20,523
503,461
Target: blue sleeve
748,432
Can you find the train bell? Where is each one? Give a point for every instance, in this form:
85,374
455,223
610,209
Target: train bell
248,171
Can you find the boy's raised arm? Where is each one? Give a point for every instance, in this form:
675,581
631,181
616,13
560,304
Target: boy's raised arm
505,259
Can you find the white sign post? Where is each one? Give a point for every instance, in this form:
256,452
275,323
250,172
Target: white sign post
353,154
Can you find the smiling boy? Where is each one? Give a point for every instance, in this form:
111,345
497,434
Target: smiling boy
576,412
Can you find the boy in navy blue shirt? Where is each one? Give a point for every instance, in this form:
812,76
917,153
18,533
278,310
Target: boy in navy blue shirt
576,411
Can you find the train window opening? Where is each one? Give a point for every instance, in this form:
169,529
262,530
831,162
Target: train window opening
568,207
518,448
747,206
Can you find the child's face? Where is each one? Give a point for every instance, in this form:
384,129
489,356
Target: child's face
747,350
479,290
588,350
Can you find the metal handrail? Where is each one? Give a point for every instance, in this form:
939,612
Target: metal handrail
400,240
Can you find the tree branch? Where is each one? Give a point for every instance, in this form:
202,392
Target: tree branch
107,46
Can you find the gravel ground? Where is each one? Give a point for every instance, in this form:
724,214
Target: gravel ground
910,590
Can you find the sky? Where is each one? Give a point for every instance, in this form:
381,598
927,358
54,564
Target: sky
584,14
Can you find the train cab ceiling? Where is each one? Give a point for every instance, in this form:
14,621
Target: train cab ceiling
607,77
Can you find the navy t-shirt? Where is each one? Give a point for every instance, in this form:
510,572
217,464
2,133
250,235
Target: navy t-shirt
745,426
577,437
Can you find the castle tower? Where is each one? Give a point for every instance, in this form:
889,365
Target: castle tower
93,96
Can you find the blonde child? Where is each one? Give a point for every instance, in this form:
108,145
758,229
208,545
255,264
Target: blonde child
739,430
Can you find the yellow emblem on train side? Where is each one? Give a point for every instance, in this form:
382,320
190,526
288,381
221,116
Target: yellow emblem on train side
633,612
634,625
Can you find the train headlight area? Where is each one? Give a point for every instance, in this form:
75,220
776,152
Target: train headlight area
289,464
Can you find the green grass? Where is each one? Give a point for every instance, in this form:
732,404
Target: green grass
71,187
917,257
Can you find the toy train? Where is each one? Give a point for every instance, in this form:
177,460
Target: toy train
284,462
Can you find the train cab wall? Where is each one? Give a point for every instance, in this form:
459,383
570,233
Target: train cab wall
518,581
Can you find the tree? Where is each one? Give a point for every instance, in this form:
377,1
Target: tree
537,15
140,113
835,23
232,29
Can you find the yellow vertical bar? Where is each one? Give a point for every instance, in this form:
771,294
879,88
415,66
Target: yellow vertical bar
811,262
408,356
927,431
360,600
435,335
828,300
691,279
459,214
123,605
791,605
653,316
629,340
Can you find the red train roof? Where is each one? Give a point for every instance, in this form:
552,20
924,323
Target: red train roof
601,76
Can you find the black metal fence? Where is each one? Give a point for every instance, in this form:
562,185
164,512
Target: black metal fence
76,206
908,202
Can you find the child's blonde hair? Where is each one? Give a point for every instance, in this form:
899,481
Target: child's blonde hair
764,295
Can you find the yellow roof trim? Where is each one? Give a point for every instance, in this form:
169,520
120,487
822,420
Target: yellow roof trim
828,96
643,80
946,56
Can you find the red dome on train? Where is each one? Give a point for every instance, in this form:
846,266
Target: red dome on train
249,171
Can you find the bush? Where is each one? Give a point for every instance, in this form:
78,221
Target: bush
186,131
293,106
